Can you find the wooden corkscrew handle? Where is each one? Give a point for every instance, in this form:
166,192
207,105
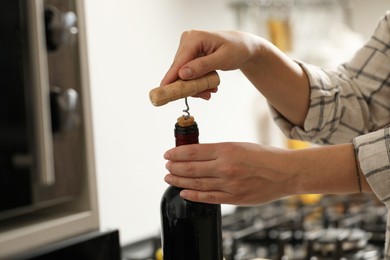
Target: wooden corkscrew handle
183,88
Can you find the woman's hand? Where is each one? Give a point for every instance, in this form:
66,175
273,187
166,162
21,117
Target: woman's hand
230,173
201,52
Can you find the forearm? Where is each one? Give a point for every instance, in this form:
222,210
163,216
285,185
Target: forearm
281,80
329,169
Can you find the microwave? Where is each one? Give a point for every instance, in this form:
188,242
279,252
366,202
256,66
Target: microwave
42,129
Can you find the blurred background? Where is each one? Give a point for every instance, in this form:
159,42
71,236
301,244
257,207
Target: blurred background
131,45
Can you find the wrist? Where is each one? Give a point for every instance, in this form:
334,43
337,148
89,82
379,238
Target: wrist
295,169
259,51
288,168
326,170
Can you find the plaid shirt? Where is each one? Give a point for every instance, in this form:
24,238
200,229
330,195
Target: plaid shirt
352,104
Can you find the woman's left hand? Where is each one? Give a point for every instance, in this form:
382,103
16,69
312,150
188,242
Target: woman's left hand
230,173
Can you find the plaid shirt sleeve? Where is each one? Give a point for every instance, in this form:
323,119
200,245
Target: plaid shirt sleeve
352,104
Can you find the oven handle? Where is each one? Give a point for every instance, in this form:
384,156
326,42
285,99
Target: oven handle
41,93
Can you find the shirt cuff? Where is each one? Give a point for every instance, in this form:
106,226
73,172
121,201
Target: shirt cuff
323,91
373,152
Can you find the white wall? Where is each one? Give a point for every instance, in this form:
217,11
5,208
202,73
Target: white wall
131,45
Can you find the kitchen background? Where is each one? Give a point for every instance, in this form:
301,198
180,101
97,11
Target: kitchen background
131,44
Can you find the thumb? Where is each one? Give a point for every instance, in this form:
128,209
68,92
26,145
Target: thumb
198,67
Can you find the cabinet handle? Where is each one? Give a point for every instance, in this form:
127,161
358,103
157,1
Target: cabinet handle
41,93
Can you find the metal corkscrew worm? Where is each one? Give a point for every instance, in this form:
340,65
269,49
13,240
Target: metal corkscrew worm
187,110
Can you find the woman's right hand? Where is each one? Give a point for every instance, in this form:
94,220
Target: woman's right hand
201,52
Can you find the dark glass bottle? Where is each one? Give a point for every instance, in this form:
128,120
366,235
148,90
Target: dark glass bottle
190,230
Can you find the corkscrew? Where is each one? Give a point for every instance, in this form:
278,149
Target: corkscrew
187,110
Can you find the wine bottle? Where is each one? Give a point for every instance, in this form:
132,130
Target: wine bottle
190,230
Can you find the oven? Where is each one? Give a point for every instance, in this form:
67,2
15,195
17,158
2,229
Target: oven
41,120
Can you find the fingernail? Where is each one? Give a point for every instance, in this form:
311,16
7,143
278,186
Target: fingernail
186,73
166,156
184,194
168,179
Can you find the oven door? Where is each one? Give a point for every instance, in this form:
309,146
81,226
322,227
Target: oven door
41,126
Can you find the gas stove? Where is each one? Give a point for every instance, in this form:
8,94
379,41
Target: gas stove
328,227
302,227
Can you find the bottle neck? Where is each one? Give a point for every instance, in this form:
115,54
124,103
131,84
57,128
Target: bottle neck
187,134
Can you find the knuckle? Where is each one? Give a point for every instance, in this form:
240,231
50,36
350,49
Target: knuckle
228,171
188,34
197,184
191,195
208,197
184,35
190,169
191,153
211,198
174,181
204,64
193,32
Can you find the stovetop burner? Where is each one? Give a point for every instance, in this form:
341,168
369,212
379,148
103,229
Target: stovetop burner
334,227
328,227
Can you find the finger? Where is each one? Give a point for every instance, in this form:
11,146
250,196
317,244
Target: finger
206,94
196,56
170,76
190,48
181,58
192,152
199,184
200,66
211,197
192,169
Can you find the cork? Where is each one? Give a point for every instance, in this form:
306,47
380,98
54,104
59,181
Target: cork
183,121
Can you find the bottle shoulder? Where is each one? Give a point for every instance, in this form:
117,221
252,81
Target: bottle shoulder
172,191
175,206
